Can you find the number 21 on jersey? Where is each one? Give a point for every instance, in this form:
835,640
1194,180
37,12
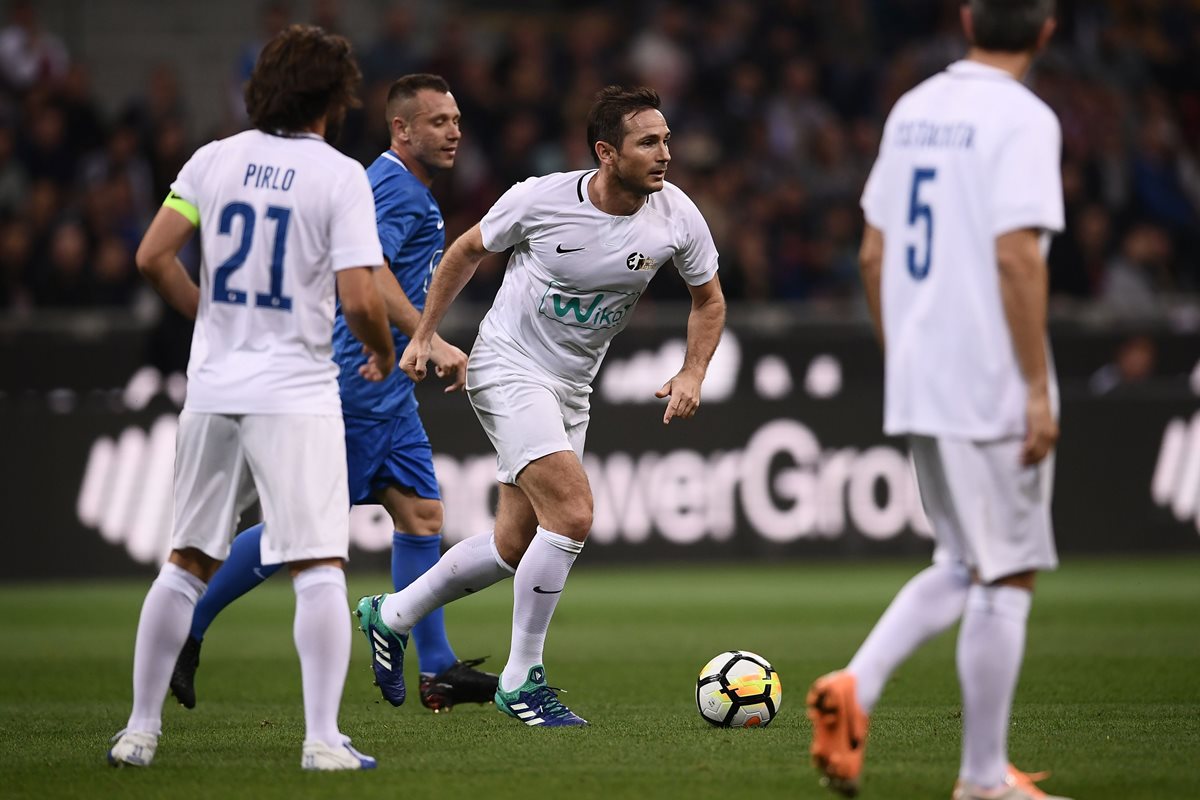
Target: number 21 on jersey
920,214
222,292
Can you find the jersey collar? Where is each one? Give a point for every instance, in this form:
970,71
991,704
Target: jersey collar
966,68
390,156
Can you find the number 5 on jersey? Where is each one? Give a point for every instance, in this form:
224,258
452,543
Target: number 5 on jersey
221,291
918,211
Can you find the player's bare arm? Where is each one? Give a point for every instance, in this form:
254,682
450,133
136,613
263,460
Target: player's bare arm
366,316
706,321
158,261
870,266
456,268
1024,285
449,362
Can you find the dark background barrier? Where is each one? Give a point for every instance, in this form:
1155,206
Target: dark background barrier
785,458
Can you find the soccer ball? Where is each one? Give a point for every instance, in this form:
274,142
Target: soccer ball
738,689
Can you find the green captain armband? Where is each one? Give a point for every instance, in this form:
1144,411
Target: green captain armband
189,211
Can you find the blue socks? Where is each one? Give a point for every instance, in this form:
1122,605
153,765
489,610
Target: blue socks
411,557
240,573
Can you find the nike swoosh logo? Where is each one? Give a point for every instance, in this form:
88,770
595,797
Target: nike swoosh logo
540,590
560,249
441,224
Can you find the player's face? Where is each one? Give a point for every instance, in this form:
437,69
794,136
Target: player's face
433,129
641,163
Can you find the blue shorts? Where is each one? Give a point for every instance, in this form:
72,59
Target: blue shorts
388,452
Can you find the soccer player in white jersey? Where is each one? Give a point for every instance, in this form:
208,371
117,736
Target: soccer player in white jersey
959,210
585,245
283,217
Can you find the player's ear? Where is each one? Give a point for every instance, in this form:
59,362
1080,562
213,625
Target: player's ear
605,152
968,22
399,128
1048,28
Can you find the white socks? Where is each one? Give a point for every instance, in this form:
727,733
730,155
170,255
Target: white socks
162,629
323,642
991,645
536,588
471,565
929,603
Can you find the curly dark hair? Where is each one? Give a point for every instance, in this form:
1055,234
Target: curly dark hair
606,119
301,75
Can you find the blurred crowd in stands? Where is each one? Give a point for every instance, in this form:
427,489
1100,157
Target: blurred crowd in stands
776,108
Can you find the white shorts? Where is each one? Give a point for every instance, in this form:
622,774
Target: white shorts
987,510
294,463
526,416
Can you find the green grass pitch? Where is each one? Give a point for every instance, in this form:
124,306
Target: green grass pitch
1109,698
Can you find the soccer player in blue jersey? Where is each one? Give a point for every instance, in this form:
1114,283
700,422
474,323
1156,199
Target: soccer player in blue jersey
387,451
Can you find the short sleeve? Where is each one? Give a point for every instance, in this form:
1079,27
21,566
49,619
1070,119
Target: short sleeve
1027,177
696,258
187,184
873,201
507,222
353,240
872,196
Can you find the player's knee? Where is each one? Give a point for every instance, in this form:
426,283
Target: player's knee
427,518
575,522
196,562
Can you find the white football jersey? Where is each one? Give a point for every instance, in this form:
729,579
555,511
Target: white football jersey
966,156
278,216
576,273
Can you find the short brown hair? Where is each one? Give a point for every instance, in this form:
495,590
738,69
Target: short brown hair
301,75
1011,26
606,119
407,87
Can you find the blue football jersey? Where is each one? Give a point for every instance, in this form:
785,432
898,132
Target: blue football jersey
413,236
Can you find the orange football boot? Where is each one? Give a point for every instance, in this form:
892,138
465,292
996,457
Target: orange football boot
839,732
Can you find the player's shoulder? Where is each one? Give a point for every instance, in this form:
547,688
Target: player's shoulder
1040,111
547,194
558,185
388,168
673,202
332,159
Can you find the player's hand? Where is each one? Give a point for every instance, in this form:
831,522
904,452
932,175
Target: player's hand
684,391
378,365
416,359
448,362
1041,429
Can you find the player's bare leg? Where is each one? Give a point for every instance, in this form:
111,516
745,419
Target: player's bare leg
557,490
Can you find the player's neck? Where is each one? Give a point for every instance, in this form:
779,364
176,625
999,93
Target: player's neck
607,194
318,127
1015,64
418,170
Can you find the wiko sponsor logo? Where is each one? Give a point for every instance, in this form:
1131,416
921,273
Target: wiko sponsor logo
1176,483
586,308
